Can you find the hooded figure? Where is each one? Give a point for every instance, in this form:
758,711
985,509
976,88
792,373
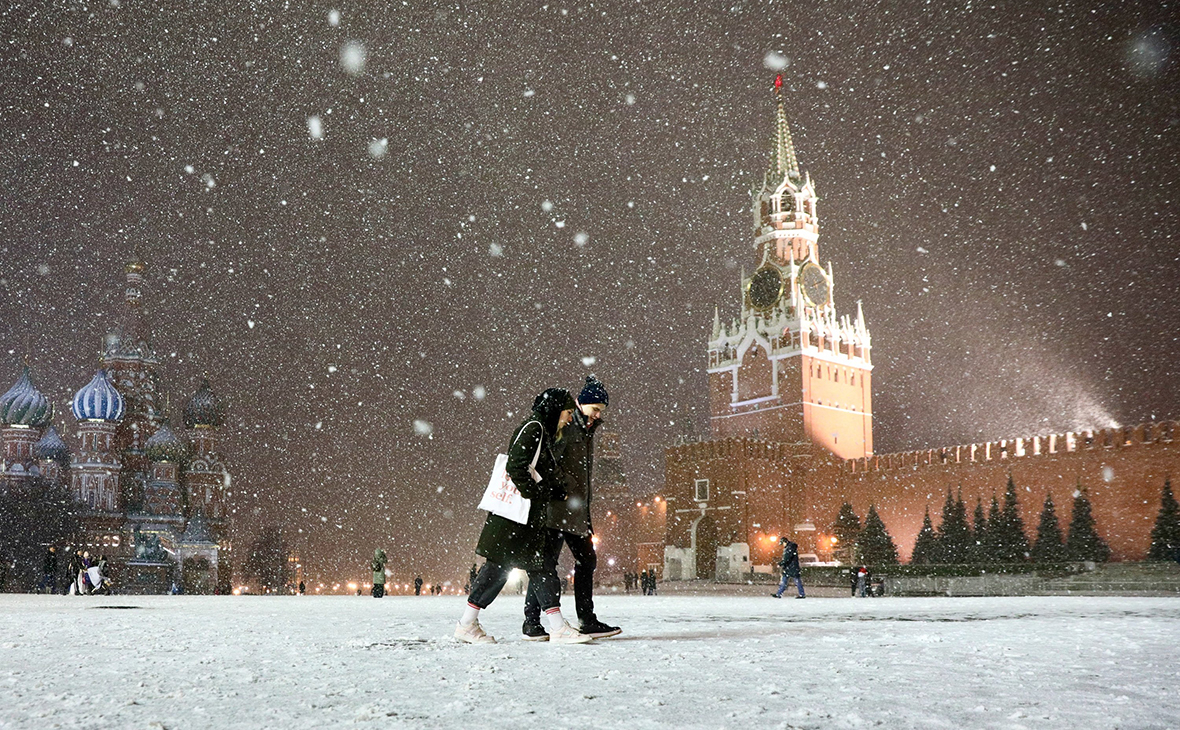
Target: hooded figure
378,568
511,544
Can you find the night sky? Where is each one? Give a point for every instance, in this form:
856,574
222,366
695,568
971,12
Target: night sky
363,216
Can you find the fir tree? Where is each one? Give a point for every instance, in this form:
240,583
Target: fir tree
1084,542
926,546
995,534
1011,542
875,545
846,530
1049,547
954,534
978,545
1165,536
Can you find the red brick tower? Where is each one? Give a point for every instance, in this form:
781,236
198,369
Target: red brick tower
790,369
131,364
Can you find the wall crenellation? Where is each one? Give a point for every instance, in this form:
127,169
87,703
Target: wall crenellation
1018,448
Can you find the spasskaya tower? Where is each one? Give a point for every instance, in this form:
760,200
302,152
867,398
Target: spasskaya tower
790,369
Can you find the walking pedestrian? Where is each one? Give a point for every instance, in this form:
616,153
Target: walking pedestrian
569,520
377,565
49,571
418,586
506,544
790,567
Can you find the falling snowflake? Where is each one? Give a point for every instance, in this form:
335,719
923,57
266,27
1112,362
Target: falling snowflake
589,360
378,148
352,57
479,392
315,127
581,238
423,428
333,17
775,61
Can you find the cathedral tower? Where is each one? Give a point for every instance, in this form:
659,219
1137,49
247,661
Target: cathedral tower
790,369
131,364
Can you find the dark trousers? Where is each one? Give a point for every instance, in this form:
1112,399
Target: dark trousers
491,579
585,561
378,590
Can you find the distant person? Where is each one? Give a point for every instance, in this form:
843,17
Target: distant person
506,544
302,588
790,567
568,520
862,580
49,571
418,586
377,565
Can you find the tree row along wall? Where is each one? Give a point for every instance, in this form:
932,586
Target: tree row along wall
1122,470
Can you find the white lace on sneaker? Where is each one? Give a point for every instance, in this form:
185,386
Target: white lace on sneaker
567,634
473,634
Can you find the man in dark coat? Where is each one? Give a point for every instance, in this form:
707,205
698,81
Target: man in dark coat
568,521
791,570
49,570
506,544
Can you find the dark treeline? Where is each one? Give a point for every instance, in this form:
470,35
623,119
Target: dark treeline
997,534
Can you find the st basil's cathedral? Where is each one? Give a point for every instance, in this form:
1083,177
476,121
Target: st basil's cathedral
150,493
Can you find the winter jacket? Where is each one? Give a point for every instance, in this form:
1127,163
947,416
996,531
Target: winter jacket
790,561
511,544
378,567
575,455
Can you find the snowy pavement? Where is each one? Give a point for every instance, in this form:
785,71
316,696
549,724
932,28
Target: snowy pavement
182,662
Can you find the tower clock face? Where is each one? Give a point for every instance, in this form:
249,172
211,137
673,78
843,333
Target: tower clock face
764,288
813,283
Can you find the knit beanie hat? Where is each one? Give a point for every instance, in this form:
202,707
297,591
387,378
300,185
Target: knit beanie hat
593,392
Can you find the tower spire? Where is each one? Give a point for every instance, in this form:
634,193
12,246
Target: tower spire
784,150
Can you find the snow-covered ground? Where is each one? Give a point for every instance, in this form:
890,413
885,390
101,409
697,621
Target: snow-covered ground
682,662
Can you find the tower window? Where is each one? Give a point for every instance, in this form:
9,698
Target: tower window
702,490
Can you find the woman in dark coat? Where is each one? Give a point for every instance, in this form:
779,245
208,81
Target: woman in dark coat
506,544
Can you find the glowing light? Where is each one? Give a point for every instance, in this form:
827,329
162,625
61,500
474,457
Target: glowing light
835,540
778,81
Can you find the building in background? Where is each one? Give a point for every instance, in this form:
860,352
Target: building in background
791,420
151,494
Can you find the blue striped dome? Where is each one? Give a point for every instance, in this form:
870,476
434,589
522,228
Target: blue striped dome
98,400
24,405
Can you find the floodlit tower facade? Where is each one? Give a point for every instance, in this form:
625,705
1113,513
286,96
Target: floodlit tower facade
790,369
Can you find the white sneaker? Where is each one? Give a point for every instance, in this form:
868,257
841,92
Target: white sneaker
473,634
567,634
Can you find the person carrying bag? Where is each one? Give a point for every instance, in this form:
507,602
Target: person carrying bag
505,543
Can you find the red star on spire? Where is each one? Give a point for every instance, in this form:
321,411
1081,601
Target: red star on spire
778,81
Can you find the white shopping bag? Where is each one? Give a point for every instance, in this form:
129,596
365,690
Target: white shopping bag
502,497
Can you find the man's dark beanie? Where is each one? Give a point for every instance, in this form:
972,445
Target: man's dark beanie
593,392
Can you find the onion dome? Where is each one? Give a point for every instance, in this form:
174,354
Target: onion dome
51,447
165,446
202,410
98,400
24,405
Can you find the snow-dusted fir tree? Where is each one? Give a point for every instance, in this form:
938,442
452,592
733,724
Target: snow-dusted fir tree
1084,542
926,546
994,534
1165,536
979,533
875,545
1049,546
1011,542
954,533
846,530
